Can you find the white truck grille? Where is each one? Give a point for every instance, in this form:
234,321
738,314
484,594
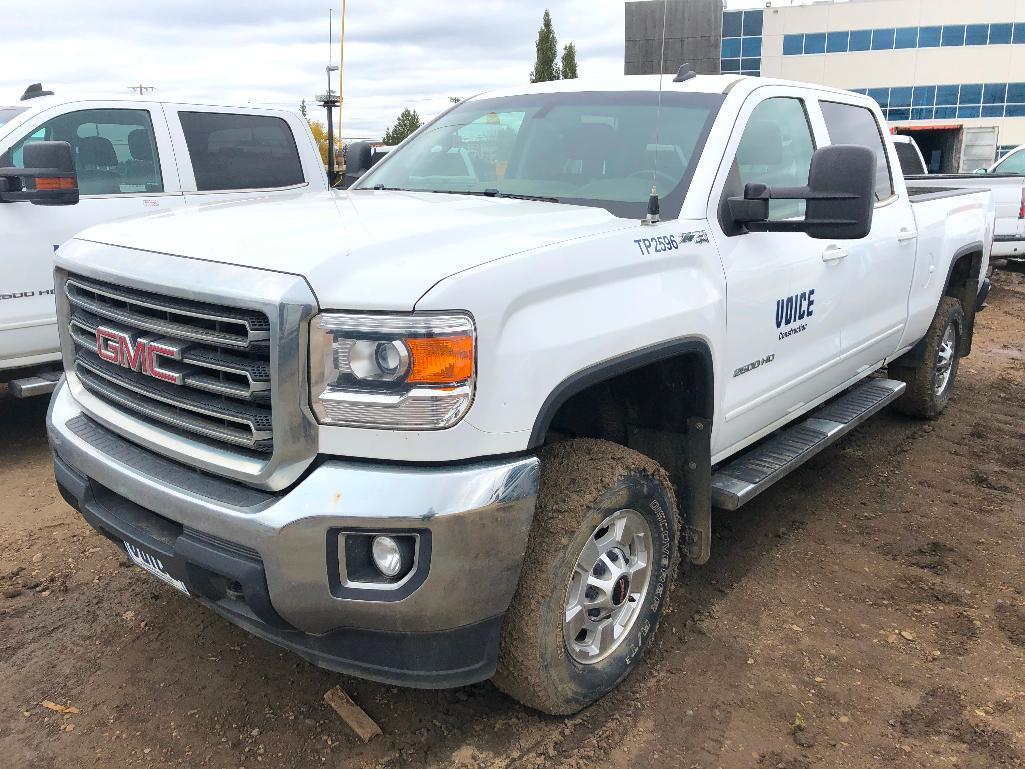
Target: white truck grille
200,368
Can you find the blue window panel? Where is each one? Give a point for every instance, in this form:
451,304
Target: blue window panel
752,72
900,97
837,42
1015,110
992,110
861,40
815,42
994,93
862,91
921,113
946,94
930,37
945,113
968,112
751,46
1018,34
907,37
882,39
1000,34
752,23
881,95
899,114
1016,93
793,45
954,35
730,48
733,24
977,34
751,64
925,96
971,94
730,65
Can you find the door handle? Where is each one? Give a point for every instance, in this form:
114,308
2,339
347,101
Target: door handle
905,234
835,254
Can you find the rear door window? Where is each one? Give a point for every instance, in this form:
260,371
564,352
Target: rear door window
851,124
241,152
910,162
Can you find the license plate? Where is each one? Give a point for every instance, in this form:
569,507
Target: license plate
153,565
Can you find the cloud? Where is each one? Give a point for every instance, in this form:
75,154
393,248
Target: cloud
398,53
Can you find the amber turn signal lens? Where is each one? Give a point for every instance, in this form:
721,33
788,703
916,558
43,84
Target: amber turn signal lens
58,183
440,360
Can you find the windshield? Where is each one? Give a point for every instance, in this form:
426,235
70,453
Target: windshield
596,148
6,113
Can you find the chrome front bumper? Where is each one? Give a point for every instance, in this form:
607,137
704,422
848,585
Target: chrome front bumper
477,517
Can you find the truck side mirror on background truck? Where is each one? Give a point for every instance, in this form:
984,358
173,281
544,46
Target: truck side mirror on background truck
840,197
359,157
48,178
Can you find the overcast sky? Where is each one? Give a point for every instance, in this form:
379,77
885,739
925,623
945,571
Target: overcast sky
398,52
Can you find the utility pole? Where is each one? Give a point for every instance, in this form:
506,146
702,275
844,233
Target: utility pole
141,89
329,101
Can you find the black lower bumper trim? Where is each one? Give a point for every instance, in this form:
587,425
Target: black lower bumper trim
230,580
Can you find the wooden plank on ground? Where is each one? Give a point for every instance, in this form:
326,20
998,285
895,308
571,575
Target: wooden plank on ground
354,716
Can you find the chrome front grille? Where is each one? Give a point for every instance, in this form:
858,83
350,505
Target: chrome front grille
199,368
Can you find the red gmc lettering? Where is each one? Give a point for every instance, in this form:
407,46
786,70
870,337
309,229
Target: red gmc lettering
153,366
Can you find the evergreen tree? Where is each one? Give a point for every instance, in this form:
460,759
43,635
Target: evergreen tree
546,65
302,110
569,62
408,122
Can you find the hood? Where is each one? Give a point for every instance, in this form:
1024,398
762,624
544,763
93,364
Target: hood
361,250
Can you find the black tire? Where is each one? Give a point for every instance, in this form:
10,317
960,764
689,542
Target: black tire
583,483
922,399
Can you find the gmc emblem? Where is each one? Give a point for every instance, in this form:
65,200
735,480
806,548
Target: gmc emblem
141,354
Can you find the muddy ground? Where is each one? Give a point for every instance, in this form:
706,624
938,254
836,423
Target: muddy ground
868,611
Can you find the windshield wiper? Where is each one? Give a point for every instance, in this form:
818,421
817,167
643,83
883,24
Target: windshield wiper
512,196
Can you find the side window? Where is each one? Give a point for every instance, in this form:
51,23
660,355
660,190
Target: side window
114,149
910,164
241,152
850,124
1014,164
776,149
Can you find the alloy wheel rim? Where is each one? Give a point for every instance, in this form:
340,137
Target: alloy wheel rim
607,588
945,360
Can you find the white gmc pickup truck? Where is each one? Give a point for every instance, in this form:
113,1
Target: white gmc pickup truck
461,420
134,155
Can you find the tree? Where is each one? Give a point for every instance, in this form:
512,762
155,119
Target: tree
455,99
319,131
408,122
546,65
302,110
569,62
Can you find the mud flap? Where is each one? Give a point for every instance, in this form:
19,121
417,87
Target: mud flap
687,457
697,491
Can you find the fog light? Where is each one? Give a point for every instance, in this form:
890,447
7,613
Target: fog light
387,557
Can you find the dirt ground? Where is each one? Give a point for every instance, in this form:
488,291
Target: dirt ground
867,611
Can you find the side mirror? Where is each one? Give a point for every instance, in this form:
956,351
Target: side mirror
840,197
359,157
48,178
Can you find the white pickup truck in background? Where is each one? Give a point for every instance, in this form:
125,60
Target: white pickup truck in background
133,156
461,420
1005,178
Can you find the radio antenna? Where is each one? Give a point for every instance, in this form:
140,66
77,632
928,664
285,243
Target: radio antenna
653,207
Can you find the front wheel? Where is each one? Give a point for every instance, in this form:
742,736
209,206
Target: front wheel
931,382
600,559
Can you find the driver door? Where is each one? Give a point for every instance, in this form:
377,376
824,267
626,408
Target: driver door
784,297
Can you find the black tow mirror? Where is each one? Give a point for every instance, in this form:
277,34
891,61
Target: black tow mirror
48,178
840,197
359,157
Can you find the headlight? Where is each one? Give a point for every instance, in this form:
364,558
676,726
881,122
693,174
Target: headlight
392,372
